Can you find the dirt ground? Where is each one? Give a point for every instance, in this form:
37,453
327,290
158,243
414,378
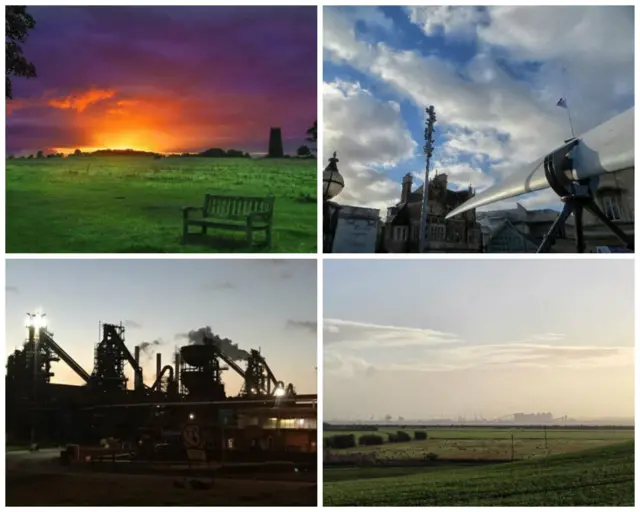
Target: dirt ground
93,489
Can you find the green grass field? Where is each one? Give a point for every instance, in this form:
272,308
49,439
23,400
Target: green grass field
130,204
602,476
487,443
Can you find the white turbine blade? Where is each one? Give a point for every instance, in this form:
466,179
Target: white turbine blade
606,148
522,181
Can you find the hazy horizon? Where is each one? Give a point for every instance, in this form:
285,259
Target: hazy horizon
437,339
164,299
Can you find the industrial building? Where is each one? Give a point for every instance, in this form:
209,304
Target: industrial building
268,419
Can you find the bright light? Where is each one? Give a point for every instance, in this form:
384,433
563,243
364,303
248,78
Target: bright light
279,392
36,320
301,422
192,416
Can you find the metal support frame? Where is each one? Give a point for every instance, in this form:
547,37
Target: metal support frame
576,201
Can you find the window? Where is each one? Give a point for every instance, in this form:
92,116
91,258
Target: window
611,206
400,233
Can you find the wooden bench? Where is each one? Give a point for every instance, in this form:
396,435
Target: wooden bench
234,213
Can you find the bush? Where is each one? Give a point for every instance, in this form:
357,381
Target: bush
341,441
431,456
420,435
370,440
403,436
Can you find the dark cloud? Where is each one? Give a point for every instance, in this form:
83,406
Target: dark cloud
204,335
307,325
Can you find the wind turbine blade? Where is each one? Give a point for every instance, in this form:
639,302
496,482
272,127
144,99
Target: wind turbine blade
606,148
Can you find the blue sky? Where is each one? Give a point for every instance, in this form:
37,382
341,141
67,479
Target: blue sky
494,75
447,338
267,304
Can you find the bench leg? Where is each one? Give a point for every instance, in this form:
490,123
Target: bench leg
269,237
204,230
249,238
185,232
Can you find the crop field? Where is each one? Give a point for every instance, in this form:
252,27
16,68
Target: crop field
126,204
601,476
489,444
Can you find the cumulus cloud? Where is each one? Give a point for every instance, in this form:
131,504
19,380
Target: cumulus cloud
218,286
368,134
491,120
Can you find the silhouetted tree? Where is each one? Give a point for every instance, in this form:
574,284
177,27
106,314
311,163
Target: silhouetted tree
77,152
40,154
18,24
312,133
388,417
30,157
303,151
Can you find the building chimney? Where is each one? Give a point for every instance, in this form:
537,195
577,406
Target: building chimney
177,372
137,380
407,182
158,365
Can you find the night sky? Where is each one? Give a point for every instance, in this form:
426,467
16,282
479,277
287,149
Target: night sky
166,79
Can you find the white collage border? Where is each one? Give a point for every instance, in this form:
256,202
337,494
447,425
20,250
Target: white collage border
318,257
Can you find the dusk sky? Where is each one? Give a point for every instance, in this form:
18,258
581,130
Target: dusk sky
437,339
166,79
494,75
267,304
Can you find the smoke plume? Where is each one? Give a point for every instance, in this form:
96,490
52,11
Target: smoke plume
205,336
147,347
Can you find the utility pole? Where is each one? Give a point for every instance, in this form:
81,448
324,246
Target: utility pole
428,151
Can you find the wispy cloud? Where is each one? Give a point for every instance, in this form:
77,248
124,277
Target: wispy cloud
362,336
11,289
132,324
306,325
214,287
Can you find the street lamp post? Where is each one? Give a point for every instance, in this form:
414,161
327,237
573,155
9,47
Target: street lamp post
35,322
332,185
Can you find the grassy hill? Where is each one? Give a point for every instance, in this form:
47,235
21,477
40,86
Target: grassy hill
598,477
133,204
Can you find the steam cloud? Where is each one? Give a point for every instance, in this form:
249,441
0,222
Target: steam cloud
205,336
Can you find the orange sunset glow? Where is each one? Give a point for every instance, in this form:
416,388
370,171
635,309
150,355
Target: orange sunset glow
190,79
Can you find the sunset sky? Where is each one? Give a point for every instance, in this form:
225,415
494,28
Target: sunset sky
162,300
436,339
166,79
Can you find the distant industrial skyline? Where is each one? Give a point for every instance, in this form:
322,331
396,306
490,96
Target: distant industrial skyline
162,300
448,338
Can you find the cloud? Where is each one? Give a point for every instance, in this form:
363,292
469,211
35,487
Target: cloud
80,100
132,324
496,109
447,20
224,285
11,289
363,336
368,134
306,325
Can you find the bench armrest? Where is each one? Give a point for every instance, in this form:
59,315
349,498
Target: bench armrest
188,209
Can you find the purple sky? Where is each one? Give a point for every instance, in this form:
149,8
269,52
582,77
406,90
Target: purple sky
165,78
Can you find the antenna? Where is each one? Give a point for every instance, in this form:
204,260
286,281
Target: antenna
428,151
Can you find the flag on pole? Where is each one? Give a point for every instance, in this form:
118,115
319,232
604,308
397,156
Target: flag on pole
562,103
